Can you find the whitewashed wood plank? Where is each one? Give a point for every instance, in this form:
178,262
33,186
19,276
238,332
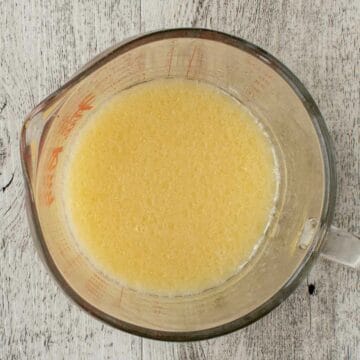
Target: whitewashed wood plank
41,44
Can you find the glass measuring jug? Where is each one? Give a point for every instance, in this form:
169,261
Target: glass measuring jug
300,229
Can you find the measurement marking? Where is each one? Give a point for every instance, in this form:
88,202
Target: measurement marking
258,86
64,250
93,291
170,60
120,297
50,173
96,284
191,61
157,309
74,262
69,123
139,65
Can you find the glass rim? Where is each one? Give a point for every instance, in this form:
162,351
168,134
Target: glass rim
327,206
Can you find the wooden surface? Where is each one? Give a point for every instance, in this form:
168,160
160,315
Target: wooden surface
43,42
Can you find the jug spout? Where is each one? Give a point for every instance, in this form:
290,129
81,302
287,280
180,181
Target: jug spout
34,131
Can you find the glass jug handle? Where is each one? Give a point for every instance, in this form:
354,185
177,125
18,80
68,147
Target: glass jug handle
342,247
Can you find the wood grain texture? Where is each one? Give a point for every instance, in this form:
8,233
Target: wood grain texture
43,42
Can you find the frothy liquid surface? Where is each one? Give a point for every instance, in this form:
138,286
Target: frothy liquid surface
170,186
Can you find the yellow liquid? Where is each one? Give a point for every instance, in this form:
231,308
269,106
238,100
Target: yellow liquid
170,186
